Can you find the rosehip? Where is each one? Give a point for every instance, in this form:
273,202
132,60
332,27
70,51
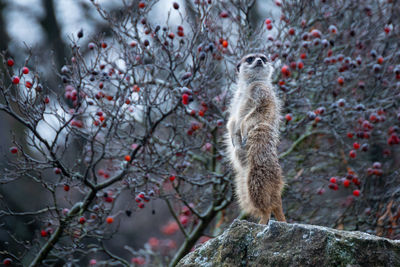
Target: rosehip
109,220
15,80
185,99
13,150
25,70
10,62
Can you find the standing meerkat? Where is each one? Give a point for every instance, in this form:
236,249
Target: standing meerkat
252,139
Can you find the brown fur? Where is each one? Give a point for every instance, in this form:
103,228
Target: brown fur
252,139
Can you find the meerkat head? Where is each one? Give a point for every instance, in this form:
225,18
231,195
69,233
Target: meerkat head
254,67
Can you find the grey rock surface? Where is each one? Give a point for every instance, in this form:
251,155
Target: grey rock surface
281,244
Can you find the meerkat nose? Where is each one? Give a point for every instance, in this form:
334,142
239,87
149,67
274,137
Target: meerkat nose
259,62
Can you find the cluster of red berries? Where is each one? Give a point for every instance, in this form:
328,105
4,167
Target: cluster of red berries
142,197
346,182
194,127
376,169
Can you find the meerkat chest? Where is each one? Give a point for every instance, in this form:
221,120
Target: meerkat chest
241,106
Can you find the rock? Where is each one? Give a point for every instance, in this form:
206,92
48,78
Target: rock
282,244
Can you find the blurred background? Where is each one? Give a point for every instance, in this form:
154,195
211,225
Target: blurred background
45,29
338,78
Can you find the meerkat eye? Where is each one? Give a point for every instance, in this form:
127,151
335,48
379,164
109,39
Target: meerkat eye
250,60
264,59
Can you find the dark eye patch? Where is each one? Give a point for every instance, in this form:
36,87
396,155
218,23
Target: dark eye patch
250,60
264,59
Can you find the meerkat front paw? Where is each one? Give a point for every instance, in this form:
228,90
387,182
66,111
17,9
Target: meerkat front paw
244,141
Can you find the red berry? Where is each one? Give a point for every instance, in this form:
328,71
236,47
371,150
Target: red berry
172,178
15,80
268,21
46,100
175,5
92,262
28,84
142,5
136,88
285,71
171,35
303,56
25,70
356,145
352,154
201,113
300,65
356,193
138,260
373,117
333,180
7,261
269,26
340,81
350,135
66,188
224,14
57,170
320,191
333,186
109,220
184,219
380,60
377,172
346,183
10,62
356,181
185,99
316,33
43,233
13,150
141,195
377,165
82,220
225,43
291,31
104,45
127,158
288,117
141,205
332,29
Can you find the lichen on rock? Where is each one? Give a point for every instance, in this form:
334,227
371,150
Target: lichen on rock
282,244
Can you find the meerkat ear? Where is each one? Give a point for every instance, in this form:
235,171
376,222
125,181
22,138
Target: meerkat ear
238,67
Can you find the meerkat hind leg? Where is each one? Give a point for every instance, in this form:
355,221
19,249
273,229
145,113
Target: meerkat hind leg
265,217
278,213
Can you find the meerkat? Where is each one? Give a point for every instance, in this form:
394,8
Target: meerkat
252,139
